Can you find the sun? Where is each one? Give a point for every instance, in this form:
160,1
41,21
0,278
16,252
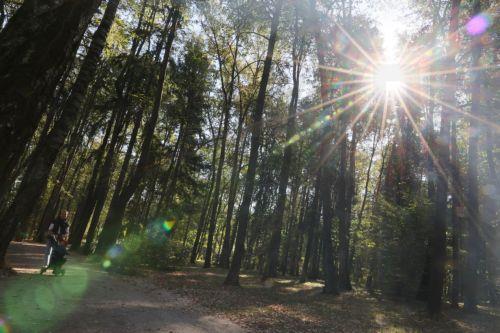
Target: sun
389,77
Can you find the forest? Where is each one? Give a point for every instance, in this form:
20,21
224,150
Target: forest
350,145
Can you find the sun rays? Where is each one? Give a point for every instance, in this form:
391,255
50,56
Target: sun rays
365,86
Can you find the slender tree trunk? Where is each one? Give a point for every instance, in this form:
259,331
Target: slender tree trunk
357,227
103,184
325,171
491,211
86,206
226,245
232,277
341,205
228,99
456,179
37,173
112,224
455,219
474,240
166,182
277,218
291,249
313,217
29,73
206,205
171,188
438,237
75,144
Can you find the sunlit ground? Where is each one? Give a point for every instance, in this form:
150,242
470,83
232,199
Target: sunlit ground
285,305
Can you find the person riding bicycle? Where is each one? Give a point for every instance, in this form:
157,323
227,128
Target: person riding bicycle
57,234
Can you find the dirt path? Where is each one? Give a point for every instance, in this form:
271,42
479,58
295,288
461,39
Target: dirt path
90,300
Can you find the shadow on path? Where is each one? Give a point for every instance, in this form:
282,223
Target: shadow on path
87,299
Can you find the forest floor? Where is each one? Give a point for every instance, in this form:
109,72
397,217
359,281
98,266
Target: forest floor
285,305
88,300
194,300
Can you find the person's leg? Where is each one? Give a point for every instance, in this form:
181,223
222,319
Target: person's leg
48,253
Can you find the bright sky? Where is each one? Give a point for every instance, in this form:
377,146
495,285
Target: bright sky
392,20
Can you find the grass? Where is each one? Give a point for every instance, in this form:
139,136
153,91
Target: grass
284,305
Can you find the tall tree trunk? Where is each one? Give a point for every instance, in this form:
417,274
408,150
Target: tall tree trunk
358,225
103,184
474,240
491,213
30,71
113,222
345,256
438,237
277,218
51,207
86,206
325,172
166,181
226,245
313,220
232,277
100,190
291,245
228,100
74,145
37,173
173,176
455,219
206,204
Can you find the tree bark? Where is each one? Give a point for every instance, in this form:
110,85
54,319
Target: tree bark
455,219
206,204
277,218
345,255
113,222
226,245
358,225
86,206
474,240
228,99
313,219
37,173
438,237
232,277
103,184
325,172
30,71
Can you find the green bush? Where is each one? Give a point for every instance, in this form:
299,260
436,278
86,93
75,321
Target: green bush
152,249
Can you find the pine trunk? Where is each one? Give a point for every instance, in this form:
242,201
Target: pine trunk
113,222
232,277
474,240
29,73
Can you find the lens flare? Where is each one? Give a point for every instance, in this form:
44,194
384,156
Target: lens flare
106,263
478,24
389,77
168,225
4,327
114,251
45,298
38,303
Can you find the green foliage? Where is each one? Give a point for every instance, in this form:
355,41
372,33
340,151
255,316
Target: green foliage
401,234
150,250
